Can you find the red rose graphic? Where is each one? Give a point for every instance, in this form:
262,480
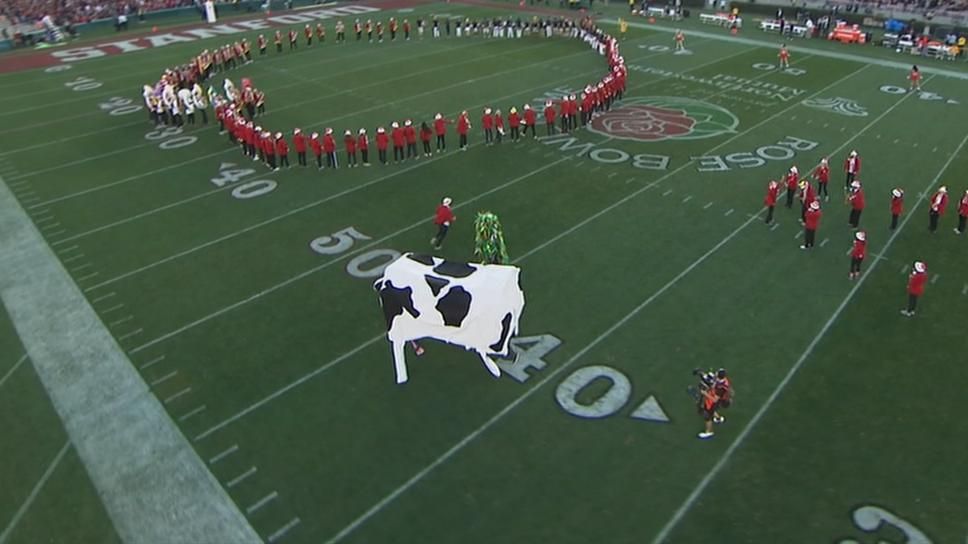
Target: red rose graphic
647,123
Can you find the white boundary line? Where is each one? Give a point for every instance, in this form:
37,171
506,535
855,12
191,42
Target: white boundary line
5,535
738,441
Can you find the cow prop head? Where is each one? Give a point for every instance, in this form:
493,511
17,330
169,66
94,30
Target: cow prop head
475,306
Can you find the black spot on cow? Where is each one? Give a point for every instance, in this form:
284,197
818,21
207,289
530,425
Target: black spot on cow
454,270
436,284
498,346
454,306
422,259
395,301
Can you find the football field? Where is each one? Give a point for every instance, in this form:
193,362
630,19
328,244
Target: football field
241,299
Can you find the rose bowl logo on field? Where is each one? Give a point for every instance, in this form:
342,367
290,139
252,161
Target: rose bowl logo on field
657,118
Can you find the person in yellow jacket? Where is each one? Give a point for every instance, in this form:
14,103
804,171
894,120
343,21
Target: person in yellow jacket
623,28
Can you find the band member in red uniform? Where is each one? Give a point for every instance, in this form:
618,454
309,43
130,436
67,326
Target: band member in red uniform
811,224
278,41
498,126
396,133
487,123
962,213
822,174
299,143
308,31
321,33
340,31
393,29
807,195
349,143
443,218
262,45
463,125
406,30
282,149
514,124
317,149
369,30
329,148
440,130
529,120
857,254
897,206
792,183
410,134
292,39
382,142
549,115
269,149
680,39
939,201
363,144
915,79
379,31
784,57
856,200
915,287
852,168
772,192
358,30
425,134
564,108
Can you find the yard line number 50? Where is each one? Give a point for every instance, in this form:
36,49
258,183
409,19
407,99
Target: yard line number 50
365,265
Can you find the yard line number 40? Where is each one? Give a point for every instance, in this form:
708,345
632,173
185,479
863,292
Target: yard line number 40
529,351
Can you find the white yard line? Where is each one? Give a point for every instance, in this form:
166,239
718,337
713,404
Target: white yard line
13,369
5,535
120,431
738,441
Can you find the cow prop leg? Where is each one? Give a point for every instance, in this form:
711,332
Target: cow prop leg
489,364
400,361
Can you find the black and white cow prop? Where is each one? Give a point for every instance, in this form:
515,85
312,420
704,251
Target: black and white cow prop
474,306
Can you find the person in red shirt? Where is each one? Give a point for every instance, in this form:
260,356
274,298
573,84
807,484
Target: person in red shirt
822,174
514,123
398,141
282,149
897,206
379,31
962,213
410,134
299,143
915,287
425,134
262,45
784,56
269,150
406,30
811,224
498,126
463,125
393,29
440,129
321,33
382,142
369,30
915,79
856,200
363,144
772,191
572,112
857,254
938,204
487,123
443,218
349,143
852,168
792,183
564,107
807,195
317,149
278,41
309,35
329,147
292,39
529,120
549,115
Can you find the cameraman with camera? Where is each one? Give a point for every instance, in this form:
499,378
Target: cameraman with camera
715,392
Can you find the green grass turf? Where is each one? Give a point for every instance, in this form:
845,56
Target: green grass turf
281,345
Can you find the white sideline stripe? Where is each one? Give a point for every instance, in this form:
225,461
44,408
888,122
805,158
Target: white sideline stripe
240,478
343,256
209,155
282,531
724,458
257,505
121,433
801,49
279,392
232,449
527,394
13,369
5,535
194,412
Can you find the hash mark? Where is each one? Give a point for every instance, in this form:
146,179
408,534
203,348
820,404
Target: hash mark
825,125
74,258
153,362
120,321
164,378
596,169
82,267
667,193
612,175
194,412
232,449
842,129
728,212
935,150
69,249
935,279
630,180
238,479
707,206
915,144
964,290
58,233
798,235
824,242
87,277
102,297
261,502
282,531
687,199
178,395
896,140
130,334
51,226
113,308
43,220
903,268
